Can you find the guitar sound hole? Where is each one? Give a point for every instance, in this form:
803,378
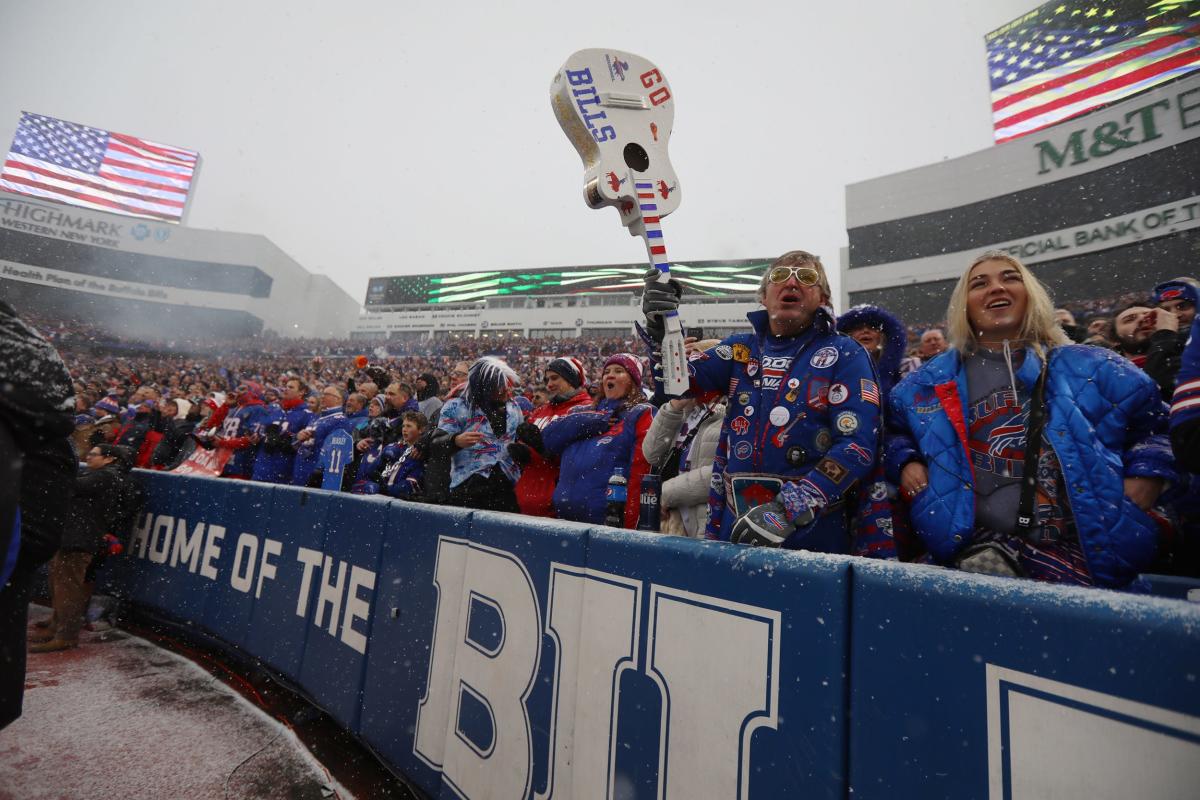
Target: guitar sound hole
635,157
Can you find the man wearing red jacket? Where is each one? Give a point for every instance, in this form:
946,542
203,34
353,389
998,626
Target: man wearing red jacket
564,386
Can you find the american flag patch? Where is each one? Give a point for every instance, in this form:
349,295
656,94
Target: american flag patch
869,390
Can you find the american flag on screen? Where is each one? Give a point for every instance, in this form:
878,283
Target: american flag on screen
82,166
1064,59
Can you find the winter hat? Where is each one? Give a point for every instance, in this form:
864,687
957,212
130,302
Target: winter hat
107,407
524,403
255,389
629,362
185,408
216,401
569,368
431,386
1177,289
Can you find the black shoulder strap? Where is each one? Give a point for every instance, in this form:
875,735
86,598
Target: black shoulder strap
1033,451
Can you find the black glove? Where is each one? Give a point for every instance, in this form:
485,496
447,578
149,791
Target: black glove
657,300
272,439
520,453
766,526
531,435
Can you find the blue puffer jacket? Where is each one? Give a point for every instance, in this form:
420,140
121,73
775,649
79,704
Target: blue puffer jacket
592,444
1103,414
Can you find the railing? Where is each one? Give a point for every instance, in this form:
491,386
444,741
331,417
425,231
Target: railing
489,655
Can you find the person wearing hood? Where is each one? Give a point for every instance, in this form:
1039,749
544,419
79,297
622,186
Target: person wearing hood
564,387
241,430
803,423
1014,398
37,472
592,441
880,519
480,424
428,402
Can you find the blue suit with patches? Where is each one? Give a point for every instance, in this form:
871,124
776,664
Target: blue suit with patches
803,421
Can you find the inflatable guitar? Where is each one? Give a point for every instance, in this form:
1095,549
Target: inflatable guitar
617,109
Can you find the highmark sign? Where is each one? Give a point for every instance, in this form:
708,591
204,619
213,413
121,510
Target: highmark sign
57,222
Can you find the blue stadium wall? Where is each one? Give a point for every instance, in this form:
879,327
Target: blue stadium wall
488,655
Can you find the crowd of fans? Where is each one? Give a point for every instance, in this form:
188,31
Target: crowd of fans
854,434
842,434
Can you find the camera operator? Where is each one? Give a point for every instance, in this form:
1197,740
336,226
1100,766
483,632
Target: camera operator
37,467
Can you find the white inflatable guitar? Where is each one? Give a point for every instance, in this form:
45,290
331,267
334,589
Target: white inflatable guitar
617,109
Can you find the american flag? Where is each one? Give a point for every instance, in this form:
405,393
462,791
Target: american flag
1064,59
869,390
88,167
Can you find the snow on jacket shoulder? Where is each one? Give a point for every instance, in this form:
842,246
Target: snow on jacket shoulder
1104,421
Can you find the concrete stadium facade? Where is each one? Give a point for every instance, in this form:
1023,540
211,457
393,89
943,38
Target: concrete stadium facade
1099,205
147,278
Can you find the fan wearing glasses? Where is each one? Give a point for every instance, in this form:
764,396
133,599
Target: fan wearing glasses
803,425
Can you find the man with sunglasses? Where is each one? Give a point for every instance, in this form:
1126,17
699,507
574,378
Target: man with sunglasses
803,423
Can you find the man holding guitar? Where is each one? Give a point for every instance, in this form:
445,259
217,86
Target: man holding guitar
803,425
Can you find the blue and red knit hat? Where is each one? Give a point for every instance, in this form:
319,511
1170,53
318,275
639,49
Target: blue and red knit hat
1177,289
569,368
629,362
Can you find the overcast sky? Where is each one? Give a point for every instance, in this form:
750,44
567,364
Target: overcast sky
383,138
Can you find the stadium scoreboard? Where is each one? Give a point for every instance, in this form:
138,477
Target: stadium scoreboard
1069,57
712,278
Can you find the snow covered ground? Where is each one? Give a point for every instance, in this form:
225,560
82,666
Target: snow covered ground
121,717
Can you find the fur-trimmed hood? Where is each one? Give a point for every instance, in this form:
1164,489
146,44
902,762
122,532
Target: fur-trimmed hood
895,339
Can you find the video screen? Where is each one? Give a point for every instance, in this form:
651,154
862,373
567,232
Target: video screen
714,278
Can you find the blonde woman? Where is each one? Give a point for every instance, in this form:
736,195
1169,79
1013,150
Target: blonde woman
1013,398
